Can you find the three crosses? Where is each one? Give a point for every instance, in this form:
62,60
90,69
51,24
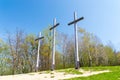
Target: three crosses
53,44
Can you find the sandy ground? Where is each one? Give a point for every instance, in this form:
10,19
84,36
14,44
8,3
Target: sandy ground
50,76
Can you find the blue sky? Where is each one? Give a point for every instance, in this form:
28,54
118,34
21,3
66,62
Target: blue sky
102,17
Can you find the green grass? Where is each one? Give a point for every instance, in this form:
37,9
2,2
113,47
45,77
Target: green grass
95,68
113,75
52,76
31,74
69,71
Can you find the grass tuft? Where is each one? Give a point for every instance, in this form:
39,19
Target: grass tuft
52,76
70,71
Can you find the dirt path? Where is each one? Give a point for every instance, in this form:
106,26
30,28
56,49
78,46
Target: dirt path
50,76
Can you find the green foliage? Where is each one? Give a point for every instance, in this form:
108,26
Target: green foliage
118,58
18,55
5,59
111,55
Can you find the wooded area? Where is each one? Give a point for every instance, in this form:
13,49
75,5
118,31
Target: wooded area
18,53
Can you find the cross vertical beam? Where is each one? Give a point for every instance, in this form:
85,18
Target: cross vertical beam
76,39
76,42
53,44
38,56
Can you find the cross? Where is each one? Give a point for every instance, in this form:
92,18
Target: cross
38,56
76,39
53,44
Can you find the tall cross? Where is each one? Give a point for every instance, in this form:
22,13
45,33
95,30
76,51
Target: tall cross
76,39
38,56
53,45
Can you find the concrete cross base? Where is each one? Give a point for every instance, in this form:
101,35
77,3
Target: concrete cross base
77,65
52,67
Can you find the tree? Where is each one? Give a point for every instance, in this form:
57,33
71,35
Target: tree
118,58
86,41
63,41
22,52
5,59
15,49
91,49
30,51
111,55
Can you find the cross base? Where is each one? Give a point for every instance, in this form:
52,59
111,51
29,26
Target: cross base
77,65
52,67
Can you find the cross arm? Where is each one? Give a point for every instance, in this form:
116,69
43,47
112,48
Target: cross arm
54,26
39,38
75,21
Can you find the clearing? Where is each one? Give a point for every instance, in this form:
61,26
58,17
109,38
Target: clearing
85,73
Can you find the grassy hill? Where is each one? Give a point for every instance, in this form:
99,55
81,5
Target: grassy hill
114,74
84,73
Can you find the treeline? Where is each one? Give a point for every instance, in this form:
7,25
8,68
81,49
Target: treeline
18,53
